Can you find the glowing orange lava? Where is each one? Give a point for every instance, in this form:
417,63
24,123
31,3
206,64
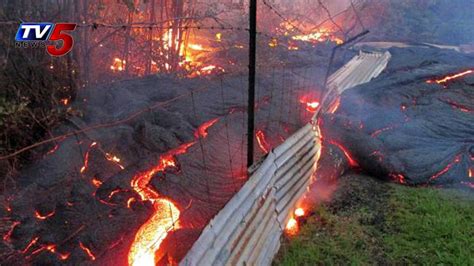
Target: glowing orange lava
456,160
350,159
399,178
202,130
96,182
32,243
166,214
87,251
64,101
334,106
52,248
450,77
86,158
114,159
262,142
43,217
8,235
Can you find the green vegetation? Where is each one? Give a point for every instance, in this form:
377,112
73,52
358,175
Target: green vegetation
369,222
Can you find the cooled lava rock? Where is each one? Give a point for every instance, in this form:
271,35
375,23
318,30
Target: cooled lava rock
414,123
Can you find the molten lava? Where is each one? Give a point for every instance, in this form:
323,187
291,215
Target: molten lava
450,165
399,178
87,251
350,159
450,77
166,214
45,216
86,158
202,129
8,235
114,159
334,106
262,142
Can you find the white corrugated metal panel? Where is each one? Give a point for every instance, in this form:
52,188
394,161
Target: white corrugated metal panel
248,229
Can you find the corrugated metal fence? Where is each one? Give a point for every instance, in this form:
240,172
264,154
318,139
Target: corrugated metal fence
248,229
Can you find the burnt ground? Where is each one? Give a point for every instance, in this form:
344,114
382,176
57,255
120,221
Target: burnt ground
371,222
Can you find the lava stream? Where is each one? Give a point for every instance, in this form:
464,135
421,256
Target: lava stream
350,159
451,77
448,167
166,214
262,142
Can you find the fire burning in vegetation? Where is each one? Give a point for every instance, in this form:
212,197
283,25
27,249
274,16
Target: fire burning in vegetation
292,226
321,35
166,214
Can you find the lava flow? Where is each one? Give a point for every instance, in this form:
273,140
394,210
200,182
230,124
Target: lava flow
450,77
166,214
350,159
262,142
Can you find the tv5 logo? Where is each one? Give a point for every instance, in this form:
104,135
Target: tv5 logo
37,32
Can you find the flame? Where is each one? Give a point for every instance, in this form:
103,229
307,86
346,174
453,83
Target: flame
450,77
262,142
291,227
165,217
293,47
87,251
196,47
321,35
299,212
273,43
64,101
118,64
43,217
218,37
471,172
310,104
